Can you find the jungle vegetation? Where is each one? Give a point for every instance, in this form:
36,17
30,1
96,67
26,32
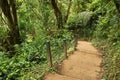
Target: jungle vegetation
26,25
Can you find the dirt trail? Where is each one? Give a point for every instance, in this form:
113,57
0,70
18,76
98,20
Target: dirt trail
83,64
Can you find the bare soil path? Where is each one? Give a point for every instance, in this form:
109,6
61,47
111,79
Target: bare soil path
83,64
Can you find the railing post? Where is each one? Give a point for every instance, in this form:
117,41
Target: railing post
75,41
65,48
49,53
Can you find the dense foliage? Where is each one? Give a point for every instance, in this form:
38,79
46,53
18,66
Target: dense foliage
55,20
103,28
36,24
30,61
107,37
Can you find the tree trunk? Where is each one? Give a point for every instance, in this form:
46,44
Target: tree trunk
9,10
68,11
58,14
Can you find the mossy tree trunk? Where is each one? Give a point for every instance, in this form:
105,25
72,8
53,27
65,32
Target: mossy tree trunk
8,8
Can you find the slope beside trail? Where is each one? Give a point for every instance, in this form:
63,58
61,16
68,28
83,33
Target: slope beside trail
83,64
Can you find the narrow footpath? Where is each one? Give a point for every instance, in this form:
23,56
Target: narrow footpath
83,64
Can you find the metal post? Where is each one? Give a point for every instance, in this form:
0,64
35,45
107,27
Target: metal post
49,53
65,48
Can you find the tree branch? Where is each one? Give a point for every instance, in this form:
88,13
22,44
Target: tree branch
68,11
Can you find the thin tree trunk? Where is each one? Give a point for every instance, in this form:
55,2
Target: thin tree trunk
15,31
58,14
68,11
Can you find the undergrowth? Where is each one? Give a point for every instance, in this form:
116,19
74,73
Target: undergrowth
30,61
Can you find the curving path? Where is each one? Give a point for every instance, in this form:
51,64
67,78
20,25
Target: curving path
83,64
